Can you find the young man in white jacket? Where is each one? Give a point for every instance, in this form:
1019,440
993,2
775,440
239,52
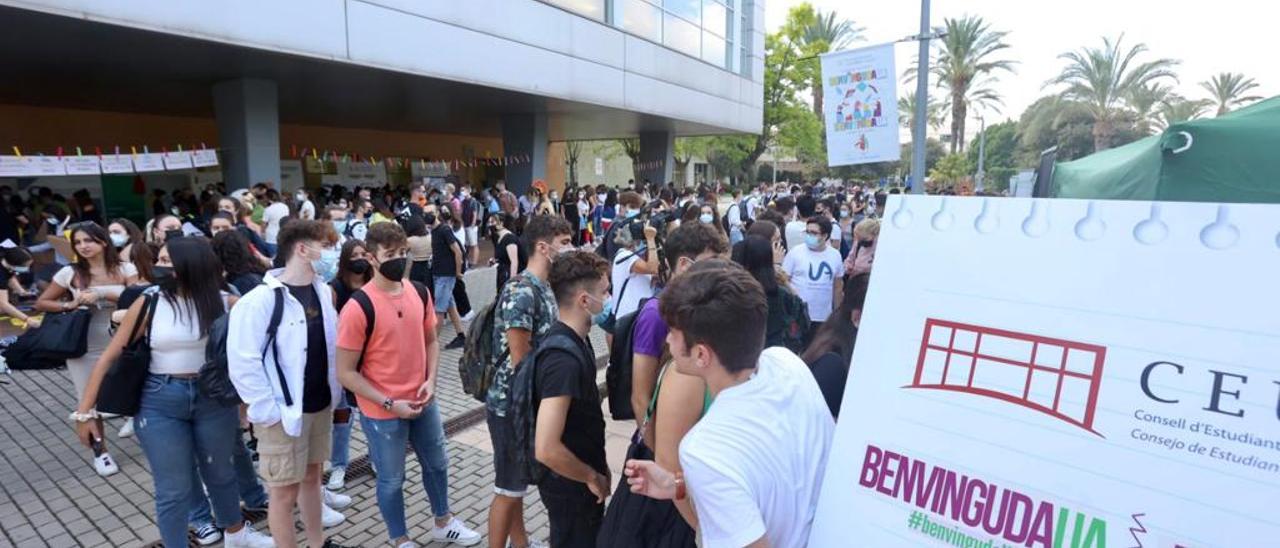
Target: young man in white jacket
288,380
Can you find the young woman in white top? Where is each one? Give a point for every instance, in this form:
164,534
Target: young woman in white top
636,262
176,423
94,281
306,208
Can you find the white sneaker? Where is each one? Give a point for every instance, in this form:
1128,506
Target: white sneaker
337,479
457,533
126,431
337,501
532,544
105,465
247,538
408,544
330,517
470,316
207,534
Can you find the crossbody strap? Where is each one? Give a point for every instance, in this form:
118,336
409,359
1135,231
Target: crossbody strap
277,315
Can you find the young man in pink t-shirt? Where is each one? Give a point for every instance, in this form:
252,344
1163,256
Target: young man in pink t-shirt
393,375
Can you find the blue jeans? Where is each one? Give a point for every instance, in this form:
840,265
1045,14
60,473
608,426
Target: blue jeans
176,427
251,491
339,455
443,292
387,447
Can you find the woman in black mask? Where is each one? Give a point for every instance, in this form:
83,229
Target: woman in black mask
354,271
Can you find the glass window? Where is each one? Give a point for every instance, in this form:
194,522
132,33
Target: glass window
681,35
715,17
640,18
713,49
589,8
688,9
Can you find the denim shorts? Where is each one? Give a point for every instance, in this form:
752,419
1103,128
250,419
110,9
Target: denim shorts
442,292
508,479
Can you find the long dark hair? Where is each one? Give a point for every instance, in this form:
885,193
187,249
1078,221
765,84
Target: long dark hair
110,259
756,256
197,280
345,259
232,250
135,233
838,334
143,256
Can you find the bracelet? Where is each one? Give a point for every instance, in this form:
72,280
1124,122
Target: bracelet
77,416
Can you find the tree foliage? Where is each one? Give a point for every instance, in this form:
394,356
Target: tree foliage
1102,79
951,169
1001,154
1227,90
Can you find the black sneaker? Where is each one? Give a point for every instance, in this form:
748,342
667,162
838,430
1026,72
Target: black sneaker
457,342
331,544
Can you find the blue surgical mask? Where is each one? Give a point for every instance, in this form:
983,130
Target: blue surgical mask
706,218
21,269
326,267
119,240
632,213
813,241
340,226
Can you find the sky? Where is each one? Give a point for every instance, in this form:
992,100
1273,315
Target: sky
1207,37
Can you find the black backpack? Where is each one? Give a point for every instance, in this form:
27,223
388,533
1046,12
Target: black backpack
214,380
524,412
361,298
618,373
20,355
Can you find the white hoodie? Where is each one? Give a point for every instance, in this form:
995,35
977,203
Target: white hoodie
253,374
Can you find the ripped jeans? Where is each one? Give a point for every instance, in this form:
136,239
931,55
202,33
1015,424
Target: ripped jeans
388,440
177,426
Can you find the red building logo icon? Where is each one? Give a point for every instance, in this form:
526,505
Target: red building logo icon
1057,377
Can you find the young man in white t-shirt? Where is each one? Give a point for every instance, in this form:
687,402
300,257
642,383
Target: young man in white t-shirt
271,217
754,463
816,270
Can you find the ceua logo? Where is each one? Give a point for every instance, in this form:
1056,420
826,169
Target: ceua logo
1057,377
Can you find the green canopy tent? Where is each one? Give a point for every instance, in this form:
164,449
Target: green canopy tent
1232,158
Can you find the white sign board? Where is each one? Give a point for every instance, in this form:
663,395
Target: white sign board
860,106
152,161
599,165
1061,373
16,166
204,157
362,174
117,163
81,165
177,160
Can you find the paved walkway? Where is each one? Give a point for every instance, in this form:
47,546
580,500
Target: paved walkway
50,496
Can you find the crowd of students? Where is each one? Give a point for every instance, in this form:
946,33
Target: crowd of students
335,308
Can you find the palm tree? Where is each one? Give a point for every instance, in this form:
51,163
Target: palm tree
1102,78
965,65
935,112
1178,109
1146,102
826,32
1226,90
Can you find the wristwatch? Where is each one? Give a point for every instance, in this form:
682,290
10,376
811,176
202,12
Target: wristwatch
386,404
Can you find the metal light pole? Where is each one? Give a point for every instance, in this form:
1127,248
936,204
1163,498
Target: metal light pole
982,154
918,134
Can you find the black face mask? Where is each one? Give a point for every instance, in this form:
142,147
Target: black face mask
393,269
359,266
171,234
162,275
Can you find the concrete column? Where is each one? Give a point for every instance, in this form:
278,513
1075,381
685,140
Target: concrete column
248,132
657,156
525,135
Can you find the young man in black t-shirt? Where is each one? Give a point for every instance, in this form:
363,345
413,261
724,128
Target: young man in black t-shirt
446,268
569,436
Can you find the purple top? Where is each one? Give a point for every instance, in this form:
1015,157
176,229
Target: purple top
650,331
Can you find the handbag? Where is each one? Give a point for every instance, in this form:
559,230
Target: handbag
121,388
62,335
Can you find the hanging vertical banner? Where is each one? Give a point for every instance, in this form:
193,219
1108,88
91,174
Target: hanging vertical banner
117,163
860,106
1057,387
204,157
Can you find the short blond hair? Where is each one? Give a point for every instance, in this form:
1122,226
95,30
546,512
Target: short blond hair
867,229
